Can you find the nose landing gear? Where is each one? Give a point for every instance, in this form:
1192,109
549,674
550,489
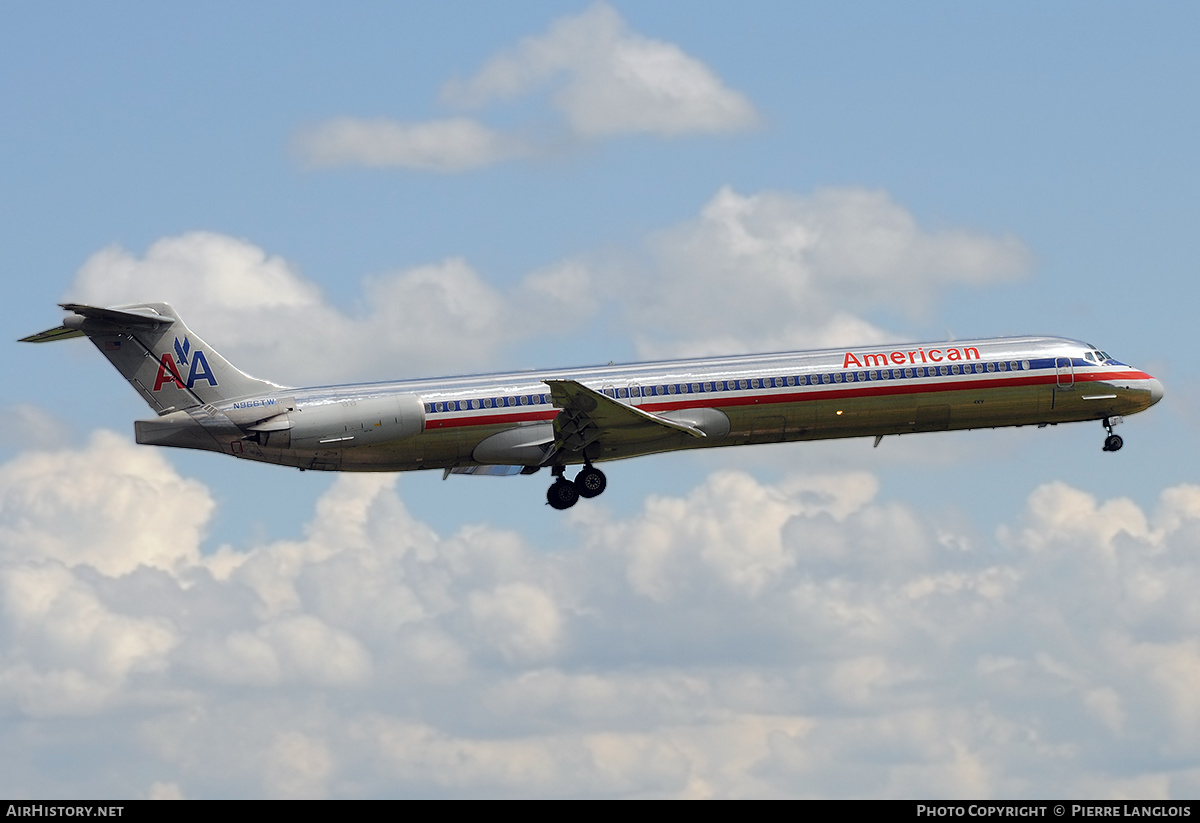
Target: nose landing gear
564,493
1113,442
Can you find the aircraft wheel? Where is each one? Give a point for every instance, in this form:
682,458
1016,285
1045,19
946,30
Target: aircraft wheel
590,482
562,495
1113,443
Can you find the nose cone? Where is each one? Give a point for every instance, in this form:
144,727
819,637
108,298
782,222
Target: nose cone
1156,391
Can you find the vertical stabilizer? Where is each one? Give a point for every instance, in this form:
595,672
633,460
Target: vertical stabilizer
169,365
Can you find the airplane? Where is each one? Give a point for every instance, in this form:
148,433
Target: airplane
520,422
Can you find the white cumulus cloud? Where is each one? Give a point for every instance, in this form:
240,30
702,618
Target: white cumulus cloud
771,271
601,79
270,320
777,271
454,144
746,638
610,80
109,505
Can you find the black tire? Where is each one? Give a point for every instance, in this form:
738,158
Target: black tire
590,482
1113,443
562,495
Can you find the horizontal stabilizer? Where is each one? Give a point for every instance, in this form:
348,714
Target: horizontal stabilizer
51,335
118,317
114,317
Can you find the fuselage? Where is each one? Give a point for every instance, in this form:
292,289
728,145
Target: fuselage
834,393
520,422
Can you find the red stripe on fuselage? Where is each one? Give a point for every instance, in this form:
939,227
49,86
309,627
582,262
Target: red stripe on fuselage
709,400
489,420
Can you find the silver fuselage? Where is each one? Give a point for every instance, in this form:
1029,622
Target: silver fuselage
870,391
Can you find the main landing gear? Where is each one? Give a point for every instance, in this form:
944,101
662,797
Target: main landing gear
564,493
1113,442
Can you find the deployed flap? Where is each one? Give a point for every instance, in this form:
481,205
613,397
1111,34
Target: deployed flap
587,415
484,471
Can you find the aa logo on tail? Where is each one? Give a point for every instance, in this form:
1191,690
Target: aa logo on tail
169,367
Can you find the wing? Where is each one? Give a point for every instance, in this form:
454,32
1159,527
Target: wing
588,416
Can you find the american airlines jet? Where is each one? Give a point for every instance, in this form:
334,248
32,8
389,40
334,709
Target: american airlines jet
520,422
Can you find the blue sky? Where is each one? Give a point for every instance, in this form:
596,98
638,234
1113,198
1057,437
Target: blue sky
412,190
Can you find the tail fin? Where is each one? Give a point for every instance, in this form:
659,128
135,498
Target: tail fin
169,365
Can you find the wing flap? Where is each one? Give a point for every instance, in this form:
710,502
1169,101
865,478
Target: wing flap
588,415
484,471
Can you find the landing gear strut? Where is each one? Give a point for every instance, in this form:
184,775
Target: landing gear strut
563,493
1113,442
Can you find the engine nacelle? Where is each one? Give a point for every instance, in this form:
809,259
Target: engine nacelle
344,424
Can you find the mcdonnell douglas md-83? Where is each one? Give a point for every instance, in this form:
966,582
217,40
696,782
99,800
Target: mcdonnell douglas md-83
519,422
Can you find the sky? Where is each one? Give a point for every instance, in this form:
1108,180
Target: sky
395,190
